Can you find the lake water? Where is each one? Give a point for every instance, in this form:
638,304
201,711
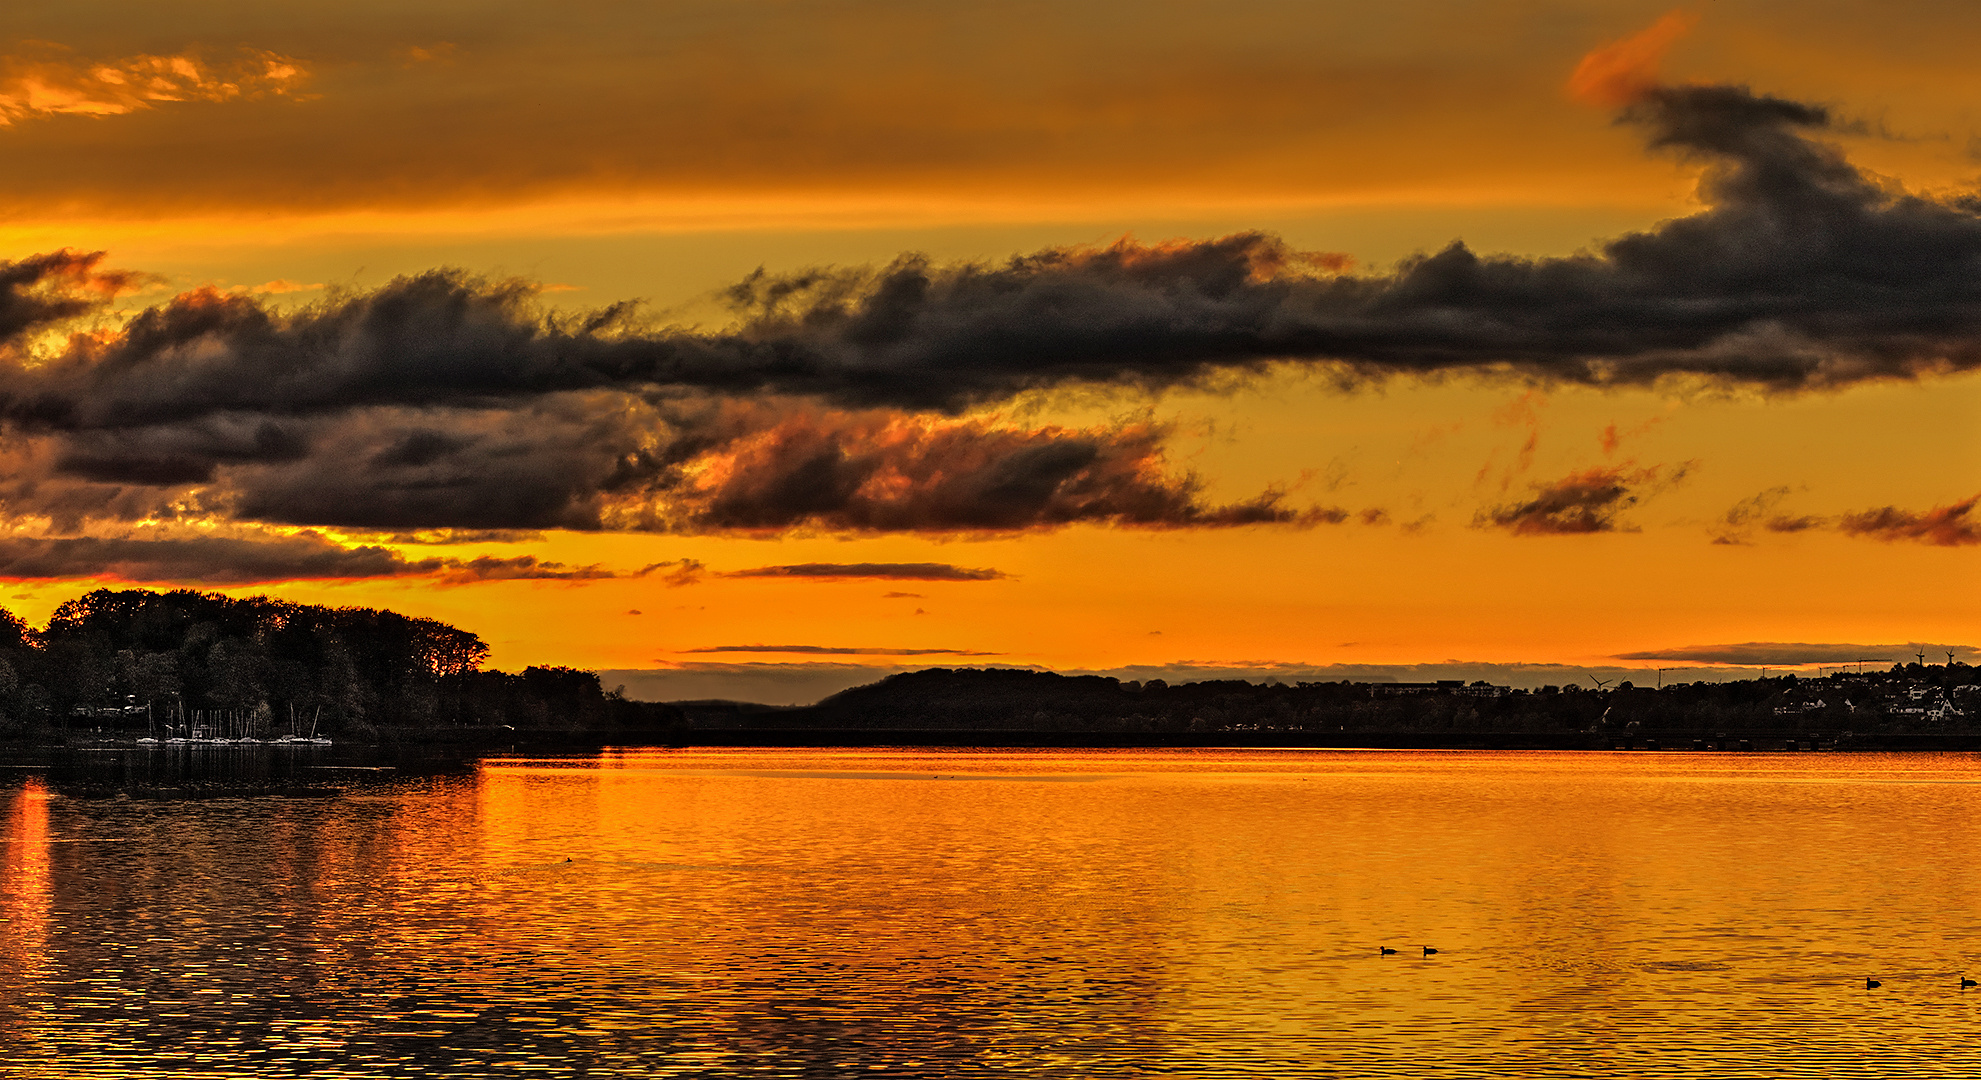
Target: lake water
815,913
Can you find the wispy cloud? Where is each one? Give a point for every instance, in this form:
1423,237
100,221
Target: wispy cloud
1761,511
1946,526
835,650
1623,72
1951,525
879,571
248,560
55,82
1589,501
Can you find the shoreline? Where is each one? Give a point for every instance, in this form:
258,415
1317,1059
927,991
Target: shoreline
472,740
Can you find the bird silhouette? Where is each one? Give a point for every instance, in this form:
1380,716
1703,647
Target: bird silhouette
1428,951
1386,950
1966,982
1872,984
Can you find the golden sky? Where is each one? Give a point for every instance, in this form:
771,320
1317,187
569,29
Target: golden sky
754,348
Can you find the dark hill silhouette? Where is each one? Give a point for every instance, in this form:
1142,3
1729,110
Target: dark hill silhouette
1906,701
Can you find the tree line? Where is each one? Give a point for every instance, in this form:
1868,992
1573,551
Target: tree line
1902,700
119,659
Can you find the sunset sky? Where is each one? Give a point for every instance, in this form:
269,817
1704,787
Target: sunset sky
753,349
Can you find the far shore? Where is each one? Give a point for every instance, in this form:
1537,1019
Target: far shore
484,740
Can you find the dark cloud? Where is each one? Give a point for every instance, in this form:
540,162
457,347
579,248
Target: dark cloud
683,572
465,536
231,560
48,289
882,571
1589,501
1953,525
517,568
1792,654
565,461
196,560
1946,526
443,401
835,650
604,459
1801,271
881,472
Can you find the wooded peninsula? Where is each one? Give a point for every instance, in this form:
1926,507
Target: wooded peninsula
132,661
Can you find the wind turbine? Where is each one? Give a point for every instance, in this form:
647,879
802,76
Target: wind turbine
1950,659
1600,683
1921,654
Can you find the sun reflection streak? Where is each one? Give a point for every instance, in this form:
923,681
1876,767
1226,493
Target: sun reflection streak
25,900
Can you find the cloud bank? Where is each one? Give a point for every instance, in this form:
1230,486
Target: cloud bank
854,401
1802,271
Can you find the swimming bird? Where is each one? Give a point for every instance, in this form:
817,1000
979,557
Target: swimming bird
1386,950
1966,982
1872,984
1428,951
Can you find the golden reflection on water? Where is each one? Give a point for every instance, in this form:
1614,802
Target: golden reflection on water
24,901
1065,913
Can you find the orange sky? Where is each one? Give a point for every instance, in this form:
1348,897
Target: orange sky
664,152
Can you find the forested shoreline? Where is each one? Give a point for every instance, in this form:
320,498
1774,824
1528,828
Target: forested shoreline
1905,700
125,661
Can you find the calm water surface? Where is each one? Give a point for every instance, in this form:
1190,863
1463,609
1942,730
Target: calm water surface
1051,913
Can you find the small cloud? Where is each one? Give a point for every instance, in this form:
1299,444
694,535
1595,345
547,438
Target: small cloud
901,596
1758,511
280,286
1374,515
1611,438
1583,502
438,52
1624,71
634,611
685,572
1943,526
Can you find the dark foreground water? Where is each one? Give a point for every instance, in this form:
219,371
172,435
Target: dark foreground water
1068,914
